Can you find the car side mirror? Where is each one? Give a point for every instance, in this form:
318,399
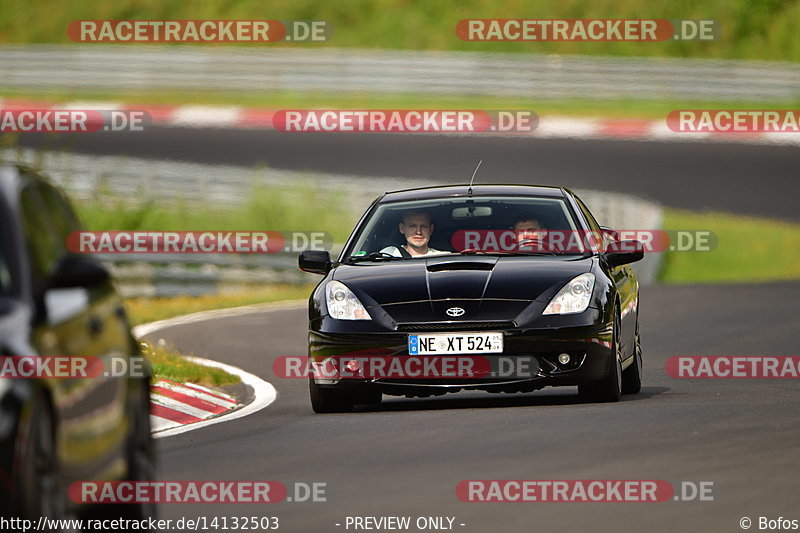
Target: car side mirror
78,271
614,234
621,253
64,304
315,261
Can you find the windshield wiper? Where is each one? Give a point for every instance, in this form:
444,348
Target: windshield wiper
472,251
374,256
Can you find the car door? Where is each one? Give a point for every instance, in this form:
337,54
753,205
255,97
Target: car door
76,321
624,280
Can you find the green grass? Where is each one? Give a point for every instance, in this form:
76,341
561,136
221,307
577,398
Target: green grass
169,364
625,108
143,310
757,29
749,249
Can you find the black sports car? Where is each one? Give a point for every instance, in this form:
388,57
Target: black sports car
502,288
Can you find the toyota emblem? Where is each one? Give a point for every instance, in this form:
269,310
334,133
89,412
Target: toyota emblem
455,311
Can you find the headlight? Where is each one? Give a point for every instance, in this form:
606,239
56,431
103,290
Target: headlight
343,304
574,297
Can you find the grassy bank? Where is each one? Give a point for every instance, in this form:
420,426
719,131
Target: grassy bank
166,362
756,29
749,249
169,364
143,310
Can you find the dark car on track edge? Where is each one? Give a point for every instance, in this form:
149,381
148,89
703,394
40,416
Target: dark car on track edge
573,315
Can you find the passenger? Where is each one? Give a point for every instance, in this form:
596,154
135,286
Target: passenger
528,228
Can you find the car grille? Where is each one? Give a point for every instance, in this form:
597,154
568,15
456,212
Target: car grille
454,326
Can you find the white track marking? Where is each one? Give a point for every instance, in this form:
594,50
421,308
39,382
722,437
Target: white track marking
264,392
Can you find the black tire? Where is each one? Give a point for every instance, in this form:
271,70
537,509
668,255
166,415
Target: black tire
140,458
141,453
632,376
41,489
329,401
608,389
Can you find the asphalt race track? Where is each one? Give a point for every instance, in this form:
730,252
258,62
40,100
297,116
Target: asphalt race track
407,457
735,177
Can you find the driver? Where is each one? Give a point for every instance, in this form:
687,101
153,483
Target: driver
417,228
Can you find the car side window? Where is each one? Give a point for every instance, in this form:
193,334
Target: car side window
46,243
61,215
589,217
593,225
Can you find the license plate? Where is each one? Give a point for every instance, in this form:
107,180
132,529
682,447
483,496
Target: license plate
455,343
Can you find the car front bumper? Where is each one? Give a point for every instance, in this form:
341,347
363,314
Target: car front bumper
529,360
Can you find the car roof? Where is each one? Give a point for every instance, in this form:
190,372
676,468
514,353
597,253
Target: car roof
454,191
9,179
12,175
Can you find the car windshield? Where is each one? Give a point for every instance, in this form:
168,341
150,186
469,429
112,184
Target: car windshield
465,226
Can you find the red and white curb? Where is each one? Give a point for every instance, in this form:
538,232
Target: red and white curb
173,404
235,117
177,408
180,410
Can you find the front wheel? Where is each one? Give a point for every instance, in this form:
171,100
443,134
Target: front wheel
140,456
608,389
328,400
632,376
39,484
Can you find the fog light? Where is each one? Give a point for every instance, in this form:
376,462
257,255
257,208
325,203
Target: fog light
564,358
353,366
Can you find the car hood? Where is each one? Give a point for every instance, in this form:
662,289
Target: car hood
425,288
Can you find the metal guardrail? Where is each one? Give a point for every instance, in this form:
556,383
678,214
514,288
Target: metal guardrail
148,68
167,275
143,180
85,176
188,274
